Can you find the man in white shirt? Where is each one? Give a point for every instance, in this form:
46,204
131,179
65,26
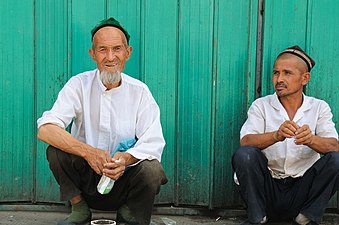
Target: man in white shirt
278,165
107,108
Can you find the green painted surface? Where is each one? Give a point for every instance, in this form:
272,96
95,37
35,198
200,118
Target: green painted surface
324,49
323,46
285,25
234,68
198,59
17,105
52,60
195,83
159,71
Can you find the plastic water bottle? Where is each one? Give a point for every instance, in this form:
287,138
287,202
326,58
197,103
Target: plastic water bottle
105,184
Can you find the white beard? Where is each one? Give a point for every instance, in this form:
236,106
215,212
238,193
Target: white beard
110,77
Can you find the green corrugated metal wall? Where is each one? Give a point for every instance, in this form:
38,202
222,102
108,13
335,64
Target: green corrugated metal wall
197,56
17,139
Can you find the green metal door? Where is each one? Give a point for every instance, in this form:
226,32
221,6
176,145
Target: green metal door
17,133
199,59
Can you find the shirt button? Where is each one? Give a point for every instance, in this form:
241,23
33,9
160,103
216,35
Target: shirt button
104,94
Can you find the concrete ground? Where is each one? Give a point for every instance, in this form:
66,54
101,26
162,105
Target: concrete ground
17,217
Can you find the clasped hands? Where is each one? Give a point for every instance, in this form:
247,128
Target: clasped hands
102,163
289,129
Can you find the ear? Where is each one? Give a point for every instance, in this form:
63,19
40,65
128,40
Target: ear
306,77
129,52
91,53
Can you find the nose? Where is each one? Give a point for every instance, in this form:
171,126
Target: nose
110,55
279,78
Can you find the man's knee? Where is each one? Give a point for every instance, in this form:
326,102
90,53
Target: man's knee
333,161
51,153
52,157
246,155
151,174
56,156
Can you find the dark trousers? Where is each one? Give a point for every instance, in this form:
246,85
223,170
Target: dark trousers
132,195
283,199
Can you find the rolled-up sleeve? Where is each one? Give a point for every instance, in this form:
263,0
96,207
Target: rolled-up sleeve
255,123
325,126
150,142
65,107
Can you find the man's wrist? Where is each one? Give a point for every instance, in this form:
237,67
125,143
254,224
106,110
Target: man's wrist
311,141
129,159
275,136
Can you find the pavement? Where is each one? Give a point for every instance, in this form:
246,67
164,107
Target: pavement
226,217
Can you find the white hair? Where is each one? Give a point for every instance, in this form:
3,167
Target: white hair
110,77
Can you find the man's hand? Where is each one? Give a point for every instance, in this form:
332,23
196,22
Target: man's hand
59,138
97,158
116,167
286,130
303,136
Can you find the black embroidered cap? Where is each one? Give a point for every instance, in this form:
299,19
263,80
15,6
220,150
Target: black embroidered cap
296,50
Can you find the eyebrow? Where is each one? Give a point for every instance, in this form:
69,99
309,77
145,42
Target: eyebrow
282,70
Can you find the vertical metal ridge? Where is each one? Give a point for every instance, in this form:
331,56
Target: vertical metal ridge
35,99
142,7
215,14
251,55
69,38
307,35
258,75
106,7
177,125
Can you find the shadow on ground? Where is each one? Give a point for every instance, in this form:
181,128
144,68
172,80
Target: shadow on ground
47,218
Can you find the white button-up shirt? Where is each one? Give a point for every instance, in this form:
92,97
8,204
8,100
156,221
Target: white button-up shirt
103,118
286,159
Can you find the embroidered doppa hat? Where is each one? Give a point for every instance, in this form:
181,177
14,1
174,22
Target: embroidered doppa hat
296,50
110,22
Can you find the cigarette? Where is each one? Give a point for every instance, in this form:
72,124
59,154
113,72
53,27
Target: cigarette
117,160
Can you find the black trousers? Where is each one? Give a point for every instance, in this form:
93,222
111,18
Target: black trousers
132,195
283,199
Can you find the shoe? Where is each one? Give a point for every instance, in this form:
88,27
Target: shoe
124,216
310,223
249,223
86,221
263,221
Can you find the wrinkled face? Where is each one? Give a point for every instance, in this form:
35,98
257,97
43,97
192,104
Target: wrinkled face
110,50
289,75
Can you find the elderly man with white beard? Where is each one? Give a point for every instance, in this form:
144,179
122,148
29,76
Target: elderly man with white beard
116,133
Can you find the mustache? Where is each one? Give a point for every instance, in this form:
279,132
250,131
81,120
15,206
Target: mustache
112,61
281,84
